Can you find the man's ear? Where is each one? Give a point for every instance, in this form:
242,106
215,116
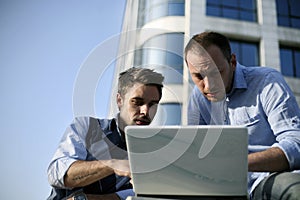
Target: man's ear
233,61
119,100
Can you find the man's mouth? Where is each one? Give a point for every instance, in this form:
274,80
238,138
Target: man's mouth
142,122
211,94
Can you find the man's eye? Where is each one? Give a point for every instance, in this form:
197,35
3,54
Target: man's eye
198,76
136,102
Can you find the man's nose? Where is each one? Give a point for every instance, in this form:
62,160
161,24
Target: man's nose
144,109
207,83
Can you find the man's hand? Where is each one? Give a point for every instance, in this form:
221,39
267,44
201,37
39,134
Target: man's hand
120,167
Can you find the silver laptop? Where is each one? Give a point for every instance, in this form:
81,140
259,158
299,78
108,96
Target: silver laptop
188,161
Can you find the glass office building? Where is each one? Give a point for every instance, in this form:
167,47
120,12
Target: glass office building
261,32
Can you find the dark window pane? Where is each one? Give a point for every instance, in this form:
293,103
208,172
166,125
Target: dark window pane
234,47
283,21
249,54
295,6
297,63
295,22
230,3
213,11
286,62
230,13
248,4
246,53
233,9
288,13
248,16
214,2
282,7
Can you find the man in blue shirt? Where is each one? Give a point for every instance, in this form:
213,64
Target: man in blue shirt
91,160
226,92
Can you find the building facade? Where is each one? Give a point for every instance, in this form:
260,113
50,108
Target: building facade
261,32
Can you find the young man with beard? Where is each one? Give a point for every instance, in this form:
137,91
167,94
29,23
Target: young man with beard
91,160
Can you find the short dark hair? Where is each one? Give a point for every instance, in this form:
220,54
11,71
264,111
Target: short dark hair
141,75
207,39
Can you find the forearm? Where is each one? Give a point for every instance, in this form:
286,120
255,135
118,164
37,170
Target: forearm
112,196
271,160
82,173
103,197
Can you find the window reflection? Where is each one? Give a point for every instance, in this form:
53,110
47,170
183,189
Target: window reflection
233,9
165,51
288,13
154,9
246,52
290,61
169,113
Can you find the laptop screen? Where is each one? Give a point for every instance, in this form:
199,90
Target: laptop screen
188,160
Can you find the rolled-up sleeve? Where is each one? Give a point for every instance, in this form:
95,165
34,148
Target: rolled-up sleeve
71,148
284,117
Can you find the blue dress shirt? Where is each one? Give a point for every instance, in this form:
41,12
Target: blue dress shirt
262,101
89,139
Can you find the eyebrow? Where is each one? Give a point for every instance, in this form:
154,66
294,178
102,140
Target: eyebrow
142,99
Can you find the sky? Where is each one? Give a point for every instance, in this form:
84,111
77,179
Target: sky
46,51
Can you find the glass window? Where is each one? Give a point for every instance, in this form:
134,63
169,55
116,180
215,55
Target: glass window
176,9
295,23
230,13
154,9
169,114
233,9
246,52
282,7
290,61
215,2
165,51
248,4
288,13
295,6
231,3
297,63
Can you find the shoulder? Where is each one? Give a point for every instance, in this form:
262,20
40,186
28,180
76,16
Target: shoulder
261,74
258,70
88,121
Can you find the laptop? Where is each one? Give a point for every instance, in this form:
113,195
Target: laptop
188,162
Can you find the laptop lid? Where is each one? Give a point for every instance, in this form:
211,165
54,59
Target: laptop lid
188,160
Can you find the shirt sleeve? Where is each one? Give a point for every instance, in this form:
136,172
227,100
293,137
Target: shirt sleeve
283,115
71,148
